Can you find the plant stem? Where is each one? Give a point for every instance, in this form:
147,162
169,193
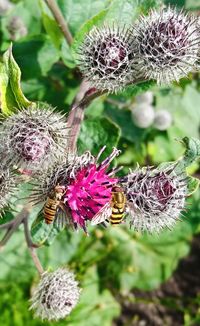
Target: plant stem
12,227
60,20
27,235
84,97
36,260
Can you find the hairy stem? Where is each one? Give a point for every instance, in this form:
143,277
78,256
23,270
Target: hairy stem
84,97
36,260
7,225
12,227
27,235
60,20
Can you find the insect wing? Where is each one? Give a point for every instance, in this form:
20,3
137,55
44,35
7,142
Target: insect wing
62,220
102,215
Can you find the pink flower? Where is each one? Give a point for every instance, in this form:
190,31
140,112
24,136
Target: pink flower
90,190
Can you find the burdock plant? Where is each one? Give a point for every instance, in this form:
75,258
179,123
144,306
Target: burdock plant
41,143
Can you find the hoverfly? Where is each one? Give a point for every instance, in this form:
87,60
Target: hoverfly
115,209
54,206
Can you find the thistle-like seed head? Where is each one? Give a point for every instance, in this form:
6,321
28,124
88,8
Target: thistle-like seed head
56,295
168,44
105,58
156,198
7,187
33,138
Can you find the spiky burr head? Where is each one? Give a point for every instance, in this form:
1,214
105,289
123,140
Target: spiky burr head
167,43
56,295
33,138
156,197
105,58
8,182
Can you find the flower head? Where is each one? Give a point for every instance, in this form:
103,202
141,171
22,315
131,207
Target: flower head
156,197
168,44
56,295
88,185
7,187
90,190
105,58
33,138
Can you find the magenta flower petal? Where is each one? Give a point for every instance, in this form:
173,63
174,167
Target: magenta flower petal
90,190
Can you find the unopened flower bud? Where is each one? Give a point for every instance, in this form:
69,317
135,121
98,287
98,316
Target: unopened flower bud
156,197
105,58
167,43
143,115
7,187
162,120
33,138
146,98
56,295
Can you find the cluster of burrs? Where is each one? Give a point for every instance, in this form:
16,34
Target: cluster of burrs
163,46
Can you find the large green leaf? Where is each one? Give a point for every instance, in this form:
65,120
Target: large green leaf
96,133
145,261
11,96
94,308
35,55
77,12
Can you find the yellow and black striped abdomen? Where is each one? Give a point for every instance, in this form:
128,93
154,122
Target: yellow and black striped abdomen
50,209
118,207
117,215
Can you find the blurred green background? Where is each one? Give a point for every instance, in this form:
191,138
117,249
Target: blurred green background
127,278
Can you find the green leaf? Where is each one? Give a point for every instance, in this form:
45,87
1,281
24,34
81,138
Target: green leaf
124,120
42,233
77,12
11,96
94,308
95,133
80,35
143,261
192,151
50,25
67,55
36,56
